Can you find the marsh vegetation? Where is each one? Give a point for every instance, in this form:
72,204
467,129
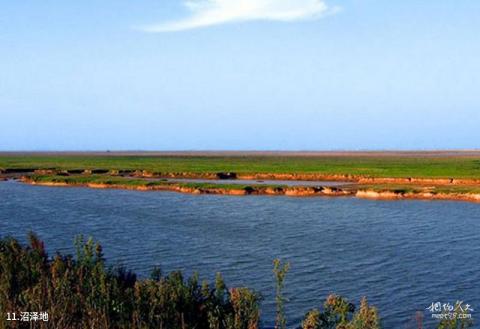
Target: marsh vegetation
82,292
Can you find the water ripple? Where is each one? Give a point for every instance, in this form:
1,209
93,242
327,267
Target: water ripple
403,255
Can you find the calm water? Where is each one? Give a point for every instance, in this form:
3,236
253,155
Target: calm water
403,255
258,182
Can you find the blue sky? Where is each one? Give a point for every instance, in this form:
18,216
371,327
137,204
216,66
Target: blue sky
239,75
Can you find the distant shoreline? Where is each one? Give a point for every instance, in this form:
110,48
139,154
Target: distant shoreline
382,192
385,175
299,153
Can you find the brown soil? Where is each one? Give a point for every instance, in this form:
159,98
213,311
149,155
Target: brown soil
297,191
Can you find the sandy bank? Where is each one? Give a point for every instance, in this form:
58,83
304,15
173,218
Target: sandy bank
295,191
251,190
391,195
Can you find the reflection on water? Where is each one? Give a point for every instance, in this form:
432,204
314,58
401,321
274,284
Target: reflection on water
403,255
256,182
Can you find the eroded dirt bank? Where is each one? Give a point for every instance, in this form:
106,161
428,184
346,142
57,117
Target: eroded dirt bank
358,186
392,195
352,190
250,190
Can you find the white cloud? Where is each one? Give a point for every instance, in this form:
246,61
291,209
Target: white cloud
213,12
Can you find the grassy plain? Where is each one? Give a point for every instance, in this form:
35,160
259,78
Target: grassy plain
393,165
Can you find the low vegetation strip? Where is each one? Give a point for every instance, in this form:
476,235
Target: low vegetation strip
350,165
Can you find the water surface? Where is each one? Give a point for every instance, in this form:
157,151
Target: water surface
255,182
403,255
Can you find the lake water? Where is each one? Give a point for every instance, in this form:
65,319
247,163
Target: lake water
257,182
403,255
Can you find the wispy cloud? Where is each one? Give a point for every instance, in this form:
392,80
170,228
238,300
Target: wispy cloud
213,12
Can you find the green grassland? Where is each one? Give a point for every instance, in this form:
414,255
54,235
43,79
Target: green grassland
370,166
